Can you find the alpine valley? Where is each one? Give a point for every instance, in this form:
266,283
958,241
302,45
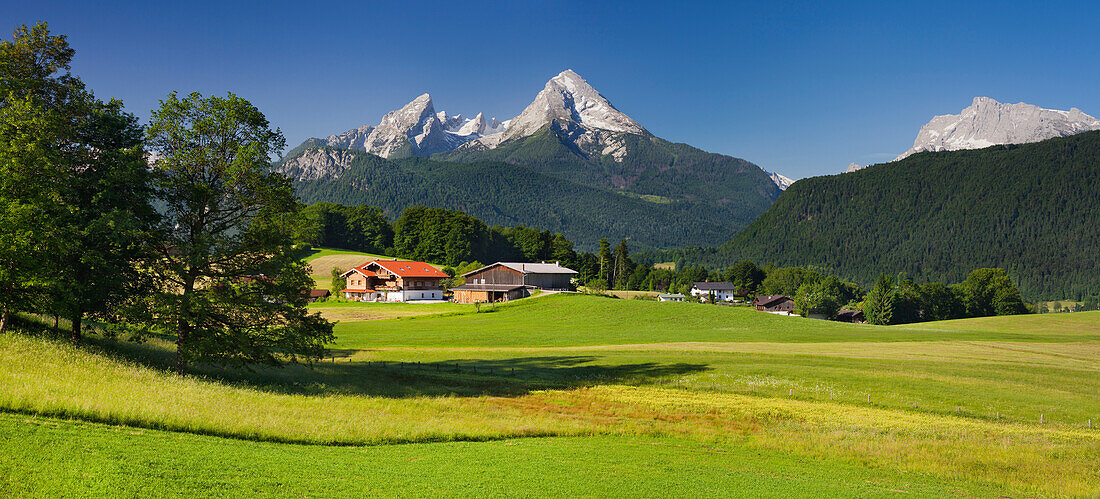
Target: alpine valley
569,162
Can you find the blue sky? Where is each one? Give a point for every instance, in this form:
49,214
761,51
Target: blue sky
798,88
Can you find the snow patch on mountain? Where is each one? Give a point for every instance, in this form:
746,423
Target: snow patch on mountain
853,167
987,122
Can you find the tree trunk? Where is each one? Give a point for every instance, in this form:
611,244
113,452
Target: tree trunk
3,321
78,318
181,344
55,319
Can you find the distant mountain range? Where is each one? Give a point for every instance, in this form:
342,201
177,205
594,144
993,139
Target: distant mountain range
569,133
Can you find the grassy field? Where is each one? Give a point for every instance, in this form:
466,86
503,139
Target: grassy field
626,295
631,397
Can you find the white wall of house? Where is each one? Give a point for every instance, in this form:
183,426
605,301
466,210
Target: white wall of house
413,295
718,295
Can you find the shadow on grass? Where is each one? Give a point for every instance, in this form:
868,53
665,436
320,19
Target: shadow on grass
341,373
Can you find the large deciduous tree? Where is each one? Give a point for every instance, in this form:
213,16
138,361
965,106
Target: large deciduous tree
74,187
232,287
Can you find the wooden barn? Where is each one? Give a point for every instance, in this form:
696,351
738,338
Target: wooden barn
776,304
503,281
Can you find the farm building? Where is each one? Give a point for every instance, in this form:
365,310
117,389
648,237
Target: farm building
854,316
393,281
722,291
316,295
503,281
776,304
670,297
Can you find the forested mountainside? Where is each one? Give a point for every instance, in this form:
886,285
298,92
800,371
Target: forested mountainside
506,194
1033,209
641,164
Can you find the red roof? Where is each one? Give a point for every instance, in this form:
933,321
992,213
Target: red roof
361,270
402,268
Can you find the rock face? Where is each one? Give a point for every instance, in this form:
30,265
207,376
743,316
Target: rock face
355,138
317,163
780,180
568,98
988,122
852,167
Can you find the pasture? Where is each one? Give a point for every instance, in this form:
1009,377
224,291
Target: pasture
624,397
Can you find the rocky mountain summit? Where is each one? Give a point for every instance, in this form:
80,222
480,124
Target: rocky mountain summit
570,105
988,122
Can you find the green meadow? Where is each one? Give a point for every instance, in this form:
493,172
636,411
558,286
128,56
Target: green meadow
571,394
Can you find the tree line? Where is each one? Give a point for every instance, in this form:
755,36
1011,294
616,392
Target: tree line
177,228
892,300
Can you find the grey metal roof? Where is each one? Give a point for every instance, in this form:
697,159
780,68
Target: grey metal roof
529,268
715,286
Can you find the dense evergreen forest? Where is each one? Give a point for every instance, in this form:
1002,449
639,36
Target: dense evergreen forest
650,167
1032,209
505,194
434,235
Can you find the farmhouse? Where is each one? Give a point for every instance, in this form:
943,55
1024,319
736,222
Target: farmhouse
670,297
503,281
721,291
393,281
776,304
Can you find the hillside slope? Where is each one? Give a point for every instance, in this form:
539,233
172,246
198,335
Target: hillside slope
646,166
1032,209
504,194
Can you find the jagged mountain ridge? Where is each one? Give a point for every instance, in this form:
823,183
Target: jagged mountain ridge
987,122
567,104
414,130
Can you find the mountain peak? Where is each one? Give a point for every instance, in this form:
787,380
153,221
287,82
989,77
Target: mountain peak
987,122
569,98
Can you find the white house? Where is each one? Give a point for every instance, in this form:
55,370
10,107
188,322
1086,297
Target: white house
722,291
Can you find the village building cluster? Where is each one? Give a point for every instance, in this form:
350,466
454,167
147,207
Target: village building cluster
410,281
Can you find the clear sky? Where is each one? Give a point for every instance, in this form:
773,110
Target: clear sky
798,88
